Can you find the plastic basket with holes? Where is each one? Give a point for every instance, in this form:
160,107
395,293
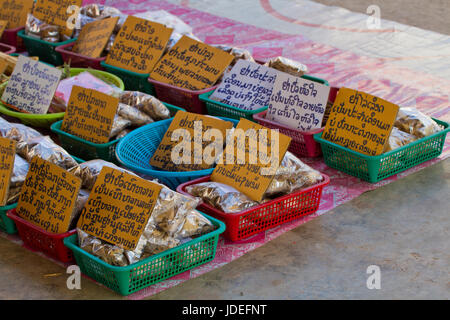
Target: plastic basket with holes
37,239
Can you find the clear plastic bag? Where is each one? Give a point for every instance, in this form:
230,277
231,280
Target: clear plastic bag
398,139
292,175
136,117
221,196
88,171
20,170
172,220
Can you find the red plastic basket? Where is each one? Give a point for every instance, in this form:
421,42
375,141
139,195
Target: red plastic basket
180,97
5,48
246,223
303,143
10,37
37,239
79,60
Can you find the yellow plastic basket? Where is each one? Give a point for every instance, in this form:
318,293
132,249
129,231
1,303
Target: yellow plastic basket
46,120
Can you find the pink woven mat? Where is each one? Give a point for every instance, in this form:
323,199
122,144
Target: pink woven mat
376,76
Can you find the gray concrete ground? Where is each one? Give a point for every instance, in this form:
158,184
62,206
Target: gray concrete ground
425,14
402,227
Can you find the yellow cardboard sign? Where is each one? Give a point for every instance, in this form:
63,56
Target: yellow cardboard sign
48,196
3,65
188,143
90,114
94,37
139,44
55,12
15,12
119,207
7,156
192,65
3,24
360,122
251,159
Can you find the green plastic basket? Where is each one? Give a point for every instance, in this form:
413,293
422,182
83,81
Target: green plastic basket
133,81
43,49
129,279
216,108
6,224
377,168
46,120
87,150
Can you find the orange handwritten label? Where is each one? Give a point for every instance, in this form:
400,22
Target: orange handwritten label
90,114
251,159
94,36
48,196
192,65
360,122
194,136
139,45
119,207
15,12
54,12
7,156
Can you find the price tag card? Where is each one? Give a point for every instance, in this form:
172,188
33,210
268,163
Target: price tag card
3,65
15,12
57,12
192,65
247,86
94,36
119,207
139,44
190,142
298,103
31,86
90,114
48,196
3,24
360,122
7,156
251,159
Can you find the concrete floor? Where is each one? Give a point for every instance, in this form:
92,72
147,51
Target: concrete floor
402,227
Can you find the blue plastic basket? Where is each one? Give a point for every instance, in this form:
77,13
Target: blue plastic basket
135,150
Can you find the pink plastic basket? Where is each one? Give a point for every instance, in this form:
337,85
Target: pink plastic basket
267,215
79,60
303,143
10,37
180,97
5,48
